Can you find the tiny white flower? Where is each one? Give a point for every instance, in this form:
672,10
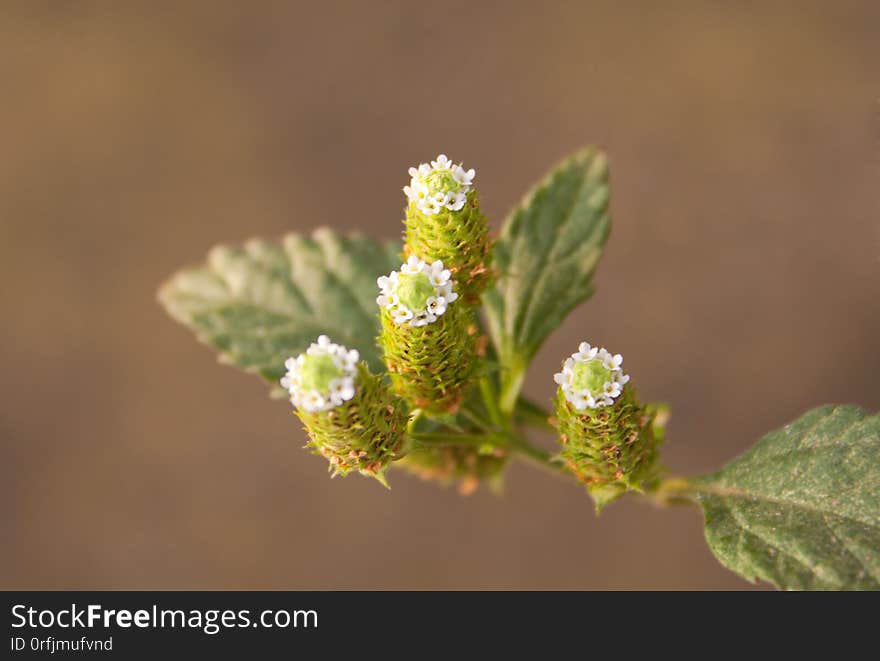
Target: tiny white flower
446,292
341,390
456,201
462,177
612,362
587,352
349,358
401,314
442,163
611,389
422,318
412,266
322,377
438,275
433,205
313,401
436,305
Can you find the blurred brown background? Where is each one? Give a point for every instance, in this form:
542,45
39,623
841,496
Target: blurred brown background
741,281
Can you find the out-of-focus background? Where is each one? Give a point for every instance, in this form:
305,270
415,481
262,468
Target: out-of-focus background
742,279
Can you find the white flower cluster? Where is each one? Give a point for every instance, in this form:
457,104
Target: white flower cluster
440,185
418,294
322,377
592,377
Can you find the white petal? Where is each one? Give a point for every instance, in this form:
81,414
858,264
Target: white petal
456,201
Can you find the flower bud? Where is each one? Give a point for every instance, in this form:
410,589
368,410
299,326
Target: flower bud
466,466
443,222
428,339
609,440
352,418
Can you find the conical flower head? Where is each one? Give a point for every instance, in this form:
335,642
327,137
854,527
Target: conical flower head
428,339
609,440
443,222
351,416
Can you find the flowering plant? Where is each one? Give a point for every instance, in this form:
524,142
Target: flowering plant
427,373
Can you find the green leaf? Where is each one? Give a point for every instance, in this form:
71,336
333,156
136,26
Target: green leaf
547,253
802,508
262,302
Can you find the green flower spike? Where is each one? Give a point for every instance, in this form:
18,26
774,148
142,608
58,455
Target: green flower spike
352,419
428,341
609,440
443,222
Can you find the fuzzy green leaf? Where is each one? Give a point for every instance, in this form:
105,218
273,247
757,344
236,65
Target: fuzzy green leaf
802,508
547,253
265,301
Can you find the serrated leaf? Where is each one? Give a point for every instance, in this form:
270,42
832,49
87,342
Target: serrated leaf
264,301
802,508
547,253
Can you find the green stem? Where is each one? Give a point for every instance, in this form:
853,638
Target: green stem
535,456
503,440
451,438
511,384
490,400
476,419
673,491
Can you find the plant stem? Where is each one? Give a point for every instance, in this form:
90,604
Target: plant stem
510,441
476,419
673,491
452,438
490,400
511,384
535,456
